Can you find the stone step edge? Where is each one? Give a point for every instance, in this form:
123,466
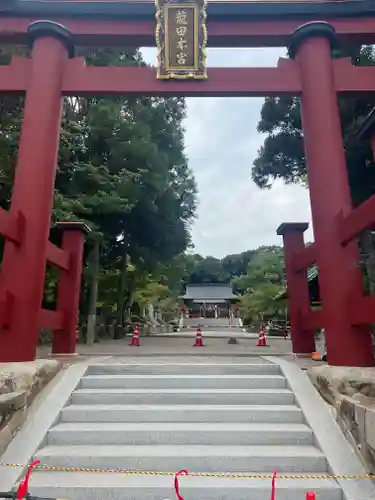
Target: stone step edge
153,365
181,391
179,426
166,376
188,450
179,407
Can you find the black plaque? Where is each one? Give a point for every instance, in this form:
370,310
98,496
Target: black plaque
181,39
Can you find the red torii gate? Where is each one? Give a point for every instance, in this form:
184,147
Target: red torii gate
53,71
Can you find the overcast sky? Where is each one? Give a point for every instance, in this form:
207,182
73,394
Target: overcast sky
221,140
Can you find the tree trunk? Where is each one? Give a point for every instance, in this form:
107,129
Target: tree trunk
120,290
93,293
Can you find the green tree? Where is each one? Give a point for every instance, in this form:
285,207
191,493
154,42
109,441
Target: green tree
263,280
282,155
142,193
200,269
160,297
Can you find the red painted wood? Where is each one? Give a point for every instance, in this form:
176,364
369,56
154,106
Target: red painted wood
313,320
52,320
255,33
14,77
57,256
69,288
6,308
339,279
360,219
256,81
298,292
353,79
9,227
348,79
305,258
90,80
363,310
23,267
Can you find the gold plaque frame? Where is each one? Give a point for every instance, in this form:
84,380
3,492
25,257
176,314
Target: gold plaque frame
195,71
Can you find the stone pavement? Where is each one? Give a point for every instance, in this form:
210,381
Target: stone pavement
166,346
211,333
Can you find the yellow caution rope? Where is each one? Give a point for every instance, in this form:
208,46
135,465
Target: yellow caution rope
233,475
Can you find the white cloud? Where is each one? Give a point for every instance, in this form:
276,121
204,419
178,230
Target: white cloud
234,215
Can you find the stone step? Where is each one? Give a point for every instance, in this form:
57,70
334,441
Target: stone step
183,396
193,457
182,413
183,382
96,486
179,434
184,368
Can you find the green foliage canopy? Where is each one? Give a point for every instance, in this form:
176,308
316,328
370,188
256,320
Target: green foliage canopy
282,155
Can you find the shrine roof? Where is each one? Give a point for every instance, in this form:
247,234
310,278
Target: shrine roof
218,10
209,291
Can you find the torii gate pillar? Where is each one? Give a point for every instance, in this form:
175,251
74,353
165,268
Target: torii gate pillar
23,266
303,340
339,277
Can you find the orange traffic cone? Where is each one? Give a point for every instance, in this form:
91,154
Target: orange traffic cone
135,338
262,340
198,338
315,356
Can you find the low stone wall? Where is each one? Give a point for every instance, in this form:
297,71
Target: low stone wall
351,393
145,331
356,418
19,384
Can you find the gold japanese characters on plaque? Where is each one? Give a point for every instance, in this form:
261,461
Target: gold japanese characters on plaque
181,39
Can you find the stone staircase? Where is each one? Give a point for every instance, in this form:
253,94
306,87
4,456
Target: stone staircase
211,418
